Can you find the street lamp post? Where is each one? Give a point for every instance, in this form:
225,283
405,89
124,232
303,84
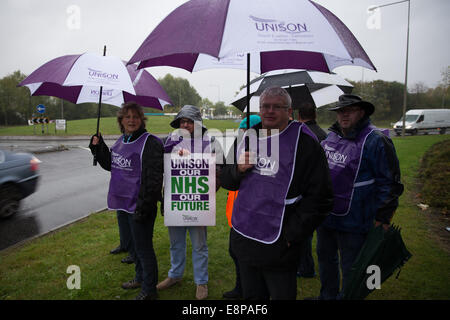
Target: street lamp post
405,91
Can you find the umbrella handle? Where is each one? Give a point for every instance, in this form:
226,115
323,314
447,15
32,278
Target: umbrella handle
95,157
247,139
98,122
99,109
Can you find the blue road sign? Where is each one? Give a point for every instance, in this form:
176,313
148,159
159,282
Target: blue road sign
40,108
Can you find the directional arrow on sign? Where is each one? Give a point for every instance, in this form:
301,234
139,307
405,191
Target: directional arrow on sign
40,108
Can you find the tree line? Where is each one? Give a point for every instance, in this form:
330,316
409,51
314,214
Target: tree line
17,106
387,97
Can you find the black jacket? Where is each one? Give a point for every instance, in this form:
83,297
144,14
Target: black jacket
152,172
318,131
312,180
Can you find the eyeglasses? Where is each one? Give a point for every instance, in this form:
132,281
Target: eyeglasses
274,107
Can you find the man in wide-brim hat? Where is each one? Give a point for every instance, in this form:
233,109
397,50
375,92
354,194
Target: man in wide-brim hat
365,175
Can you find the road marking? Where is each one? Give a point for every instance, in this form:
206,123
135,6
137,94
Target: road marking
84,148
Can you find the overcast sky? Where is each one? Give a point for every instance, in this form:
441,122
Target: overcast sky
33,32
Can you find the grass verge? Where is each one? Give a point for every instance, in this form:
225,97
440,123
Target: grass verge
37,269
108,126
435,176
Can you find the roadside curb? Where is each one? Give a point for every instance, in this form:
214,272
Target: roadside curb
46,144
55,229
54,138
51,149
66,138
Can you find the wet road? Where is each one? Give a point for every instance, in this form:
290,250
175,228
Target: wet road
70,187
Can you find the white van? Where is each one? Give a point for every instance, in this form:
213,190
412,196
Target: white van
424,120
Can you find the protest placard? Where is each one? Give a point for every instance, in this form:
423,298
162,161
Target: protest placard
190,189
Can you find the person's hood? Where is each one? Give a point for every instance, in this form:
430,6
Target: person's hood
188,112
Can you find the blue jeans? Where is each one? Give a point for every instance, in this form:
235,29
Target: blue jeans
146,265
177,237
329,243
126,239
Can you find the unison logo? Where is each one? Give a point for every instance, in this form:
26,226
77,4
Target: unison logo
122,162
334,156
267,166
102,75
187,218
273,25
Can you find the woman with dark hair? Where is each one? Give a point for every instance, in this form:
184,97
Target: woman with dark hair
126,241
136,164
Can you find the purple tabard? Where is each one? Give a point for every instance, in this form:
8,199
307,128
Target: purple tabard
126,168
344,159
173,144
259,209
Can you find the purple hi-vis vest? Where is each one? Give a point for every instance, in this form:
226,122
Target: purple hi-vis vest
344,160
126,169
259,209
176,143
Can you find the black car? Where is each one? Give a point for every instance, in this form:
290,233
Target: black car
19,176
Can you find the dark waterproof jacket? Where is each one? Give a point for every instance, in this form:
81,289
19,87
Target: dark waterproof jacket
318,131
312,180
151,176
377,201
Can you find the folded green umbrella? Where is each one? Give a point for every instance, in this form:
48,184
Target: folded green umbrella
384,249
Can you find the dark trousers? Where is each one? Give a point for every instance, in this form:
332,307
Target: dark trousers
263,284
330,245
306,263
146,265
126,238
238,285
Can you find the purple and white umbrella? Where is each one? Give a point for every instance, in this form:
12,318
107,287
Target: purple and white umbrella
282,34
93,78
78,78
287,34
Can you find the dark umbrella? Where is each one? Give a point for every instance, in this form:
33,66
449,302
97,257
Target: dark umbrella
384,249
318,88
